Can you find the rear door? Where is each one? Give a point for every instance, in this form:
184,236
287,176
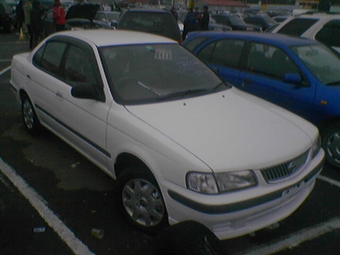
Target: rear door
224,56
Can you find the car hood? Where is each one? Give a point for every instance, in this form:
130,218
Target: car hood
83,11
230,130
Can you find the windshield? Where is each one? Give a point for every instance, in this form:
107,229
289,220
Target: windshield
139,74
321,61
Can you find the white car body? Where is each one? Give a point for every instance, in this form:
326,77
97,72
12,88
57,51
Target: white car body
222,132
329,37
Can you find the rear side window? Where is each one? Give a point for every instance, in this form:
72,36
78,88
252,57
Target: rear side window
163,24
330,34
227,53
192,44
297,27
49,57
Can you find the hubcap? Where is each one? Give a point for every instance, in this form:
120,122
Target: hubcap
333,147
143,202
28,114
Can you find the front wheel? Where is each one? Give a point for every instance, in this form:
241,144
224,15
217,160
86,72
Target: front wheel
29,117
140,200
331,144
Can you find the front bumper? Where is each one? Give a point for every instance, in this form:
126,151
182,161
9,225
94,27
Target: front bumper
228,220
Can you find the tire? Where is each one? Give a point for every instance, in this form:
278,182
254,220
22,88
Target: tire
187,238
140,200
29,117
331,144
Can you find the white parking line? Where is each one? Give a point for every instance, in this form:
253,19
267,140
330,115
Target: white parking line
5,70
329,180
297,238
49,216
300,236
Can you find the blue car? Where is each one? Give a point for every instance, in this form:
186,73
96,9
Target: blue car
298,74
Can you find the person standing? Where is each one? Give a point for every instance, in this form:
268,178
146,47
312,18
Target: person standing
205,19
19,9
37,22
27,12
198,19
174,12
189,23
59,16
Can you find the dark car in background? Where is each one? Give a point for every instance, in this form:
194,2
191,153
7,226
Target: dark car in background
7,17
150,20
109,17
235,22
261,20
79,16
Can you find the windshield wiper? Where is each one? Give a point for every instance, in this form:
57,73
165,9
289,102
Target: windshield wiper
183,93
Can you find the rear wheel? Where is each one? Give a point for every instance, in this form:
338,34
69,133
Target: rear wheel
331,144
140,199
29,117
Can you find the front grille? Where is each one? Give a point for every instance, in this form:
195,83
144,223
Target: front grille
284,170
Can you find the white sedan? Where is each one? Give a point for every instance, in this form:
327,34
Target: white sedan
181,144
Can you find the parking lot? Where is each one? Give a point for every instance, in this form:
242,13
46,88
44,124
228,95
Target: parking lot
53,197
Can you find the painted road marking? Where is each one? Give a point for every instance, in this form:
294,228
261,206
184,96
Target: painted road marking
49,216
297,238
5,70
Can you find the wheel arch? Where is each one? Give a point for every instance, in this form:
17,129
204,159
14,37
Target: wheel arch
125,159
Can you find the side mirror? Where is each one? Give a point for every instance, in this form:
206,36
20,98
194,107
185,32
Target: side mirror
293,78
87,91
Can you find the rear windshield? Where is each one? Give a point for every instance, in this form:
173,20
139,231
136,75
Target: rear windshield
163,24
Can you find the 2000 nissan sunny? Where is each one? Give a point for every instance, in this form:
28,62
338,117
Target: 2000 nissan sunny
181,143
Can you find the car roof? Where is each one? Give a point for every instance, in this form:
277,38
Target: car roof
150,9
102,37
278,39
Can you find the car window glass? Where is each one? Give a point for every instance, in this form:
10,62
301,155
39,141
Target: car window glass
100,16
297,26
50,57
270,61
156,23
321,62
78,67
227,53
206,52
330,34
192,44
153,72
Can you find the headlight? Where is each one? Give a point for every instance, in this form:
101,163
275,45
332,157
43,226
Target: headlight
218,183
316,146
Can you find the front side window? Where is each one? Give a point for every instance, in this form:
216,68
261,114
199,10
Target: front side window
330,34
78,67
139,74
270,61
321,62
297,26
